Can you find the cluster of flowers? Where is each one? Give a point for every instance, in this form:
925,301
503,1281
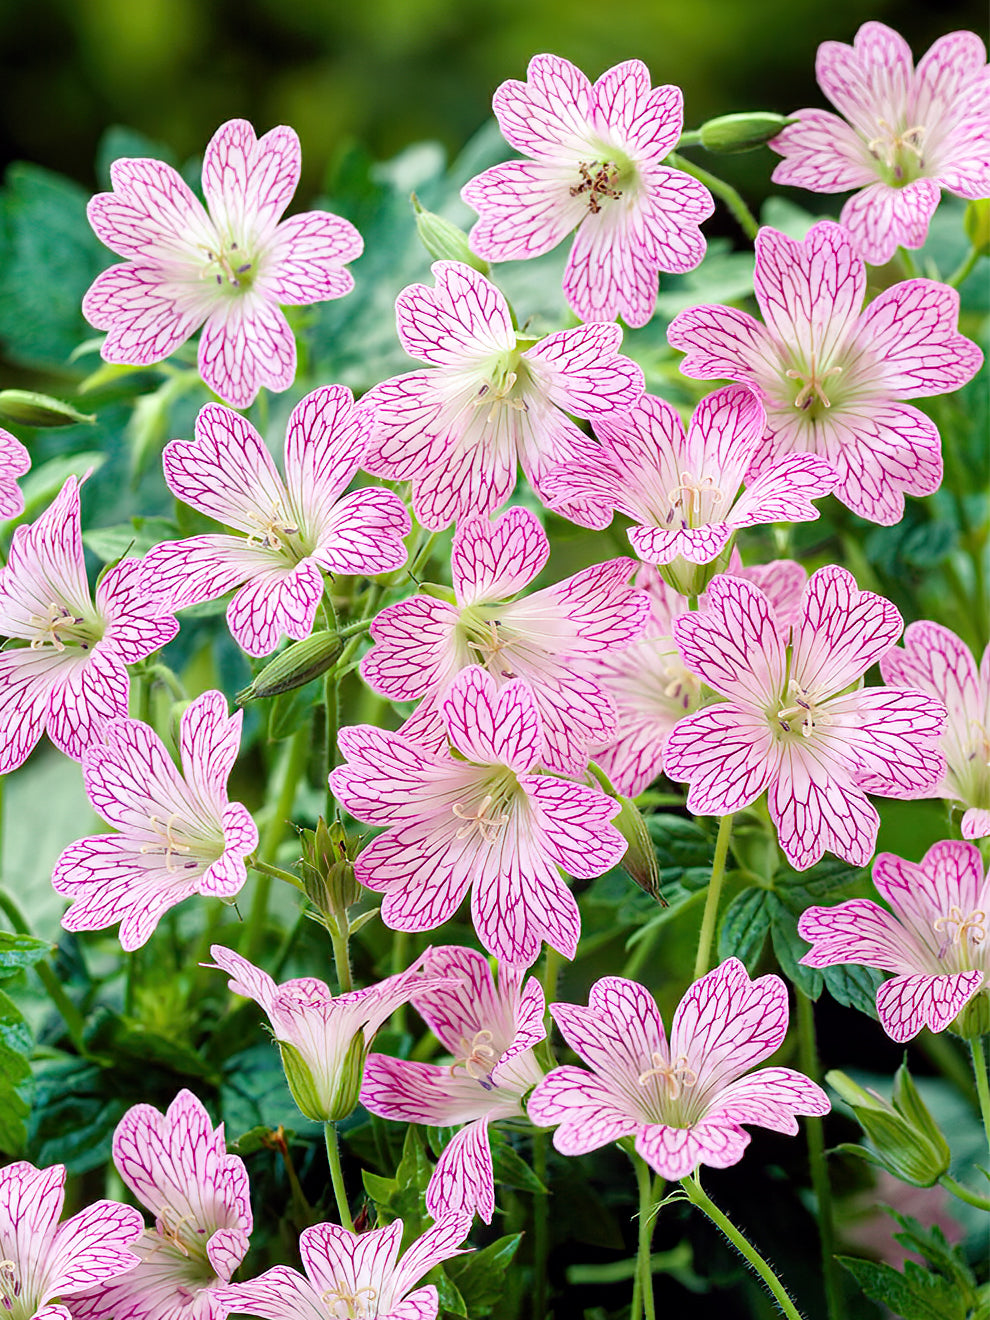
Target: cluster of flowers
737,680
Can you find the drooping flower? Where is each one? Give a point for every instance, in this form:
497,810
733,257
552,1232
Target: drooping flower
71,676
477,818
934,940
226,267
833,377
793,724
684,1101
292,530
178,833
936,661
596,167
422,643
490,1033
353,1274
42,1260
177,1165
14,462
905,134
490,400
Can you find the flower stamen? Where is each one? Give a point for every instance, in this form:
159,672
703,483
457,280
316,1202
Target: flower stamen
489,827
172,846
477,1058
888,145
803,708
231,268
9,1287
274,532
358,1304
674,1075
972,927
812,385
688,496
599,184
58,617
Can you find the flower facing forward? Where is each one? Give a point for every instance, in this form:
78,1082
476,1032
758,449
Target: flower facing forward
489,1032
684,1101
422,643
490,400
42,1260
833,377
477,817
177,1165
178,833
226,267
353,1276
794,723
70,676
934,940
906,134
14,462
595,167
292,530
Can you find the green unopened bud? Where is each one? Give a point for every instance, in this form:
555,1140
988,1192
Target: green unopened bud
977,223
906,1140
444,241
733,133
640,858
974,1020
327,1099
296,666
328,868
438,591
25,408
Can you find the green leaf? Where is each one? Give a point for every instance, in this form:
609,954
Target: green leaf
916,1294
789,948
799,889
131,538
511,1170
73,1114
289,711
744,927
932,1244
480,1276
20,951
132,1045
854,986
16,1044
43,483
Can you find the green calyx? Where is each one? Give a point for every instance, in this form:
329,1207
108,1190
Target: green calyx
906,1140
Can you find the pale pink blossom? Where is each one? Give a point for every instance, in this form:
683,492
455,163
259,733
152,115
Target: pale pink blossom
292,531
795,724
684,1101
934,940
226,267
70,676
41,1260
477,817
177,1165
596,166
422,643
490,400
178,834
14,462
936,661
833,377
905,134
489,1032
353,1274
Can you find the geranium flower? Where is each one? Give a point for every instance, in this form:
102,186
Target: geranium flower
595,167
177,1165
178,833
71,676
476,818
491,398
684,1101
832,376
935,940
14,462
226,267
292,531
353,1274
935,660
909,134
422,643
794,724
490,1033
42,1260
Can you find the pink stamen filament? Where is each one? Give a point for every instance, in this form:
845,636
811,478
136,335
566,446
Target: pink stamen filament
674,1075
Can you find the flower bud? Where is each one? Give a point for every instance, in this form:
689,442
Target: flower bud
977,223
745,132
294,667
444,241
974,1020
328,868
328,1099
25,408
693,579
640,858
907,1141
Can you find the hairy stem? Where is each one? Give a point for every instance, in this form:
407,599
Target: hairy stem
644,1271
816,1159
706,936
337,1176
963,1193
982,1082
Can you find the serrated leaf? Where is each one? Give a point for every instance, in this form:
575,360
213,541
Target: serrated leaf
789,947
854,986
799,889
931,1243
20,951
480,1276
914,1295
680,843
743,931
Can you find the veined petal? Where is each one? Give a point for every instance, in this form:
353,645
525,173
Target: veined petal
246,343
815,806
581,371
881,218
910,332
489,726
463,1183
720,343
585,1106
616,1035
890,735
870,80
810,292
416,648
842,631
552,109
278,1294
822,153
409,1092
571,823
905,1004
735,645
304,259
674,1152
363,533
860,931
463,321
727,754
147,316
325,441
152,212
525,209
493,560
771,1097
280,601
248,182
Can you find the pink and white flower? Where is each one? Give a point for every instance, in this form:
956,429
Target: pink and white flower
490,399
422,643
70,677
353,1274
595,166
478,817
227,267
905,134
42,1260
292,530
833,377
490,1033
14,462
178,833
177,1165
684,1101
934,940
935,660
794,723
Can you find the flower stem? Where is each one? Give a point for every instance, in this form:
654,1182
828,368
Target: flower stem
541,1228
341,953
644,1272
693,1190
74,1021
816,1159
707,934
964,269
747,221
276,873
295,765
963,1193
982,1083
337,1176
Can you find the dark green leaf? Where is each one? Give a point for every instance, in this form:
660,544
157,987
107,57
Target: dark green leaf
914,1295
511,1170
854,986
291,710
789,948
20,951
131,538
800,889
16,1044
480,1276
73,1114
130,1045
932,1244
680,842
744,927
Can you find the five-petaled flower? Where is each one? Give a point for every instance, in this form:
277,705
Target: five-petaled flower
595,166
226,268
832,376
935,940
683,1100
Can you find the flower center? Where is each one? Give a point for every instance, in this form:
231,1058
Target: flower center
172,846
60,628
689,497
275,533
9,1286
598,181
813,381
673,1076
965,929
228,266
803,707
477,1058
357,1305
488,826
503,387
900,153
